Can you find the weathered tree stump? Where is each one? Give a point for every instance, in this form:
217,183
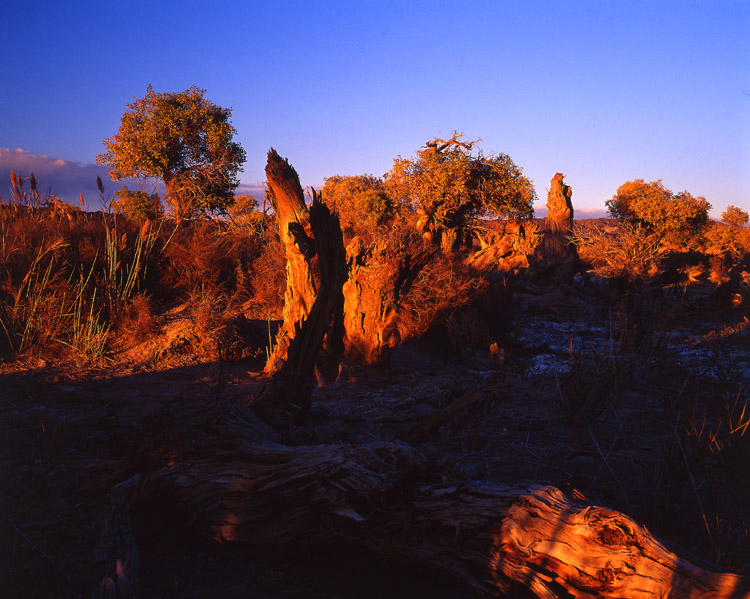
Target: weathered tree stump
309,314
557,255
379,278
293,217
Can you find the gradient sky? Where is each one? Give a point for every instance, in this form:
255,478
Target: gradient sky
603,91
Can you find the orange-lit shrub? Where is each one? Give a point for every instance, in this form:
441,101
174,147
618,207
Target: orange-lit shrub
443,286
624,251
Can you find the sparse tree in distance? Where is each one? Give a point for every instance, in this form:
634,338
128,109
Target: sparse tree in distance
137,204
186,141
448,185
735,217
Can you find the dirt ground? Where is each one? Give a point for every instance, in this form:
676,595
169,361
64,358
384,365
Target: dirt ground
565,398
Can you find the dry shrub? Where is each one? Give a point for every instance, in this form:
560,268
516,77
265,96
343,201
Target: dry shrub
442,287
625,251
720,239
137,322
201,255
48,300
268,280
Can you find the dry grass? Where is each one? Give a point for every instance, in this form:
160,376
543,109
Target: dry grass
626,251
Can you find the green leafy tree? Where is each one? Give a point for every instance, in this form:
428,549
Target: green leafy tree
186,141
448,185
735,217
360,200
137,204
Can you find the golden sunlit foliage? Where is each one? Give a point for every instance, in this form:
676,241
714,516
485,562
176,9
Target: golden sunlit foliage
137,204
183,139
360,200
735,217
655,206
448,185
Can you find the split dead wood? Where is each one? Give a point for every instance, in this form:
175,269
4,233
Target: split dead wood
293,217
292,385
235,484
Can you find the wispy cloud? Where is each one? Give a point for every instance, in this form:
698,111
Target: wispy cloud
67,179
64,178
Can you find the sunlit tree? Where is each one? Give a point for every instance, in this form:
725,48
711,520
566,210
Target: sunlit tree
655,206
447,184
360,200
137,204
186,141
735,217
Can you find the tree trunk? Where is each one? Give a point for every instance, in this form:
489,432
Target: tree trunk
379,278
235,484
308,315
559,207
288,201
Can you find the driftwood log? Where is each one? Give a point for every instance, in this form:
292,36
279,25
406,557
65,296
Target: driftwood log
236,484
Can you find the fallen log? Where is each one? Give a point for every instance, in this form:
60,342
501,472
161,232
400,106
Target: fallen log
237,485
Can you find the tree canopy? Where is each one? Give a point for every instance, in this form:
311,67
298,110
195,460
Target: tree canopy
655,206
359,199
186,141
137,204
735,217
448,184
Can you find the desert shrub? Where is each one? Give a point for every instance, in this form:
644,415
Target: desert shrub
64,282
627,251
361,201
735,217
137,205
678,217
442,287
268,280
720,239
448,186
202,255
137,322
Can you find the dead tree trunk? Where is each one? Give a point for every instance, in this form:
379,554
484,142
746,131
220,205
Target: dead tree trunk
379,278
556,254
288,201
560,207
308,315
238,485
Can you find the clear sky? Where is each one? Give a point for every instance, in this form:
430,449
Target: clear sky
604,91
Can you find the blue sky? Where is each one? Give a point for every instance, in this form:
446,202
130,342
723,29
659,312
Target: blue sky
603,91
